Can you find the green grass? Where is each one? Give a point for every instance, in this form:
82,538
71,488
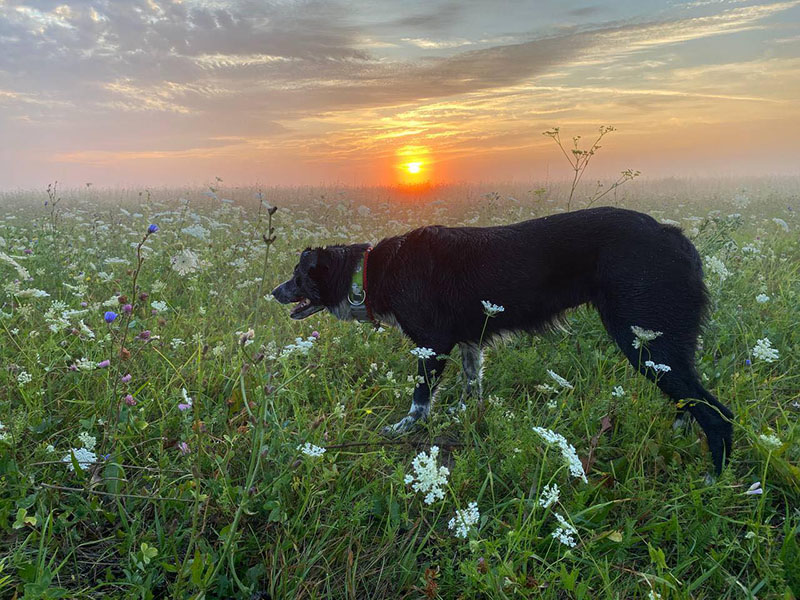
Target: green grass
217,501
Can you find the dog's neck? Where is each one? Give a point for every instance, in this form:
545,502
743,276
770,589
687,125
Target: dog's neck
355,305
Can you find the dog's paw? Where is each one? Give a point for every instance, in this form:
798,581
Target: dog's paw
404,425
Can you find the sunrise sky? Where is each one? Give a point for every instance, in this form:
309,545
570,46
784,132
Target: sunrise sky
177,92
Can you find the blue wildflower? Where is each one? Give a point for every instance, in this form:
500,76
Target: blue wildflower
110,316
153,228
748,362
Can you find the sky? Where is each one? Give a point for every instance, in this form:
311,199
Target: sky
178,92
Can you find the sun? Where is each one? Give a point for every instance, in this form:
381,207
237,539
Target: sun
414,167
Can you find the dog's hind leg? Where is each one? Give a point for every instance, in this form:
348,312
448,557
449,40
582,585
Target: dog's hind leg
429,372
472,365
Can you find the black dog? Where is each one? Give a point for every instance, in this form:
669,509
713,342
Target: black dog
431,283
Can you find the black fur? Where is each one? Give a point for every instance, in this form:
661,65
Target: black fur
431,282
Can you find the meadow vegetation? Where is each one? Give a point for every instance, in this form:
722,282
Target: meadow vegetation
167,430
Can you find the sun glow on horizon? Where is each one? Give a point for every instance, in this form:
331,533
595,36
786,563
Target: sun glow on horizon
413,164
414,167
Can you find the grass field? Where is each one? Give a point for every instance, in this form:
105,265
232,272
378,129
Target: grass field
162,453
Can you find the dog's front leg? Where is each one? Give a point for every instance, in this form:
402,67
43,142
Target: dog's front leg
430,371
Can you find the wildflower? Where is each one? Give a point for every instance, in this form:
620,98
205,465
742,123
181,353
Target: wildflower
423,353
491,309
762,298
642,336
300,345
144,335
87,440
159,305
560,380
184,448
311,450
618,392
465,519
125,378
771,440
127,309
152,228
110,316
567,451
754,490
716,266
84,364
130,400
764,351
24,378
564,532
186,262
315,334
187,401
781,223
657,366
103,364
429,478
50,448
550,495
197,231
83,457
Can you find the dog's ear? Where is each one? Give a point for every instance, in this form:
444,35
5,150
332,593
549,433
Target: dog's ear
309,258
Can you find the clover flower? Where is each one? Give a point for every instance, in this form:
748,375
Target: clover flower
550,495
491,309
429,477
567,451
465,519
311,450
642,336
564,532
763,350
423,353
560,380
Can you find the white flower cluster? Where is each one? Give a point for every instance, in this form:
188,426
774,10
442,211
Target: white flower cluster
763,350
560,380
716,266
465,519
423,353
429,477
771,440
311,450
159,306
88,441
83,456
492,309
762,298
197,231
185,262
657,367
550,495
642,336
24,378
564,532
567,451
300,345
618,391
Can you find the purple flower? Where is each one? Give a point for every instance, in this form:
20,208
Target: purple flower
127,309
126,378
28,251
153,228
103,364
145,335
84,304
315,334
184,448
130,400
110,316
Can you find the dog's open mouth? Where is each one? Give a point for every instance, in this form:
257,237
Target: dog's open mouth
304,309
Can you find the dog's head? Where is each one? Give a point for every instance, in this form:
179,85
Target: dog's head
320,279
